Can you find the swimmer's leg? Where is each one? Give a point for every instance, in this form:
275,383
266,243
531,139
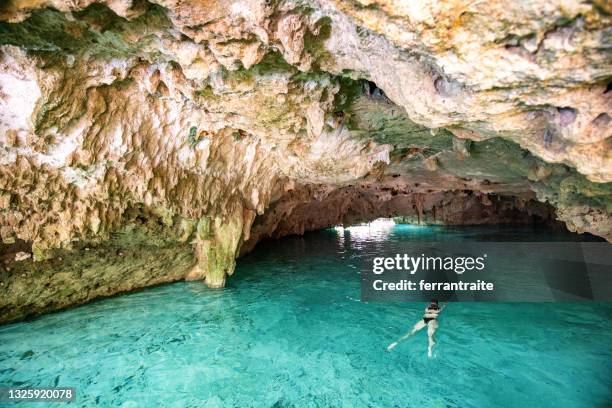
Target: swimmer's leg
431,330
418,326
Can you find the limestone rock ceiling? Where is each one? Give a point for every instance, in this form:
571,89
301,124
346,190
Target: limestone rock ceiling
201,115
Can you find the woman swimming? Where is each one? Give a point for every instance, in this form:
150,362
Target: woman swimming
430,319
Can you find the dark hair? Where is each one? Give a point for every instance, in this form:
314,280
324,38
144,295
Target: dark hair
434,301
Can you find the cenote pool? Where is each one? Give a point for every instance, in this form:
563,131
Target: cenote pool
290,331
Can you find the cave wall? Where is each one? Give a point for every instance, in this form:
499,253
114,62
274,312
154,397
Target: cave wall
211,119
139,255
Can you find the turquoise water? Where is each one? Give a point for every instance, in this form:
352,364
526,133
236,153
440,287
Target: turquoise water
290,331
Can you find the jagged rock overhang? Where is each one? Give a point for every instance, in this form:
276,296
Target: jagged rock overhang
207,118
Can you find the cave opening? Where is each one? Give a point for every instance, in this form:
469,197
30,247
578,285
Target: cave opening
359,204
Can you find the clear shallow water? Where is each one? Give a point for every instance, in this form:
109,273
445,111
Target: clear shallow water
289,330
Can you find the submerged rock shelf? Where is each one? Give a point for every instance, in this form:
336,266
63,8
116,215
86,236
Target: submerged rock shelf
208,127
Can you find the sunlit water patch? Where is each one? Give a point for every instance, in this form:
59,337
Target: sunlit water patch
290,331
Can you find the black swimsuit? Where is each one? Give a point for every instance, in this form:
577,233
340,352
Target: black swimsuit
429,319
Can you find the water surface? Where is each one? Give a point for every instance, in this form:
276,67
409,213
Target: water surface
290,331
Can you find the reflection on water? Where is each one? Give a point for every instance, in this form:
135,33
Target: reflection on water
376,230
290,331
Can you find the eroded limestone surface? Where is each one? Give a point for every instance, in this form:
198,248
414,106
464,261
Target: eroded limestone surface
215,124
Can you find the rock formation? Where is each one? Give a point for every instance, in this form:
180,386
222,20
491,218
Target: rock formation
145,142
